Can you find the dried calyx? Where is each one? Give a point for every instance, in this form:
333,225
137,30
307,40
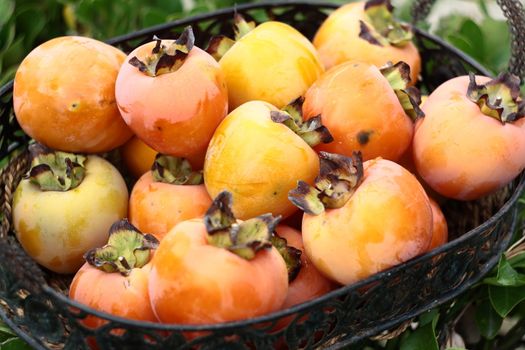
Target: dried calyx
248,237
311,131
175,170
339,177
499,98
381,28
398,75
166,58
220,44
55,170
291,256
127,249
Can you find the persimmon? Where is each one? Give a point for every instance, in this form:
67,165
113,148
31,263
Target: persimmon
309,282
217,269
137,156
368,32
65,206
168,194
439,226
114,278
471,141
362,218
259,160
64,95
172,95
272,62
364,109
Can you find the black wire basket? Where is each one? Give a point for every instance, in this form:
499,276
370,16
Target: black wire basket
34,302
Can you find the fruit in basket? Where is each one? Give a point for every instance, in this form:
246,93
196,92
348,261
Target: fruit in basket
64,95
271,62
65,206
472,139
137,156
362,218
255,155
172,95
217,269
168,194
114,278
365,108
439,226
368,32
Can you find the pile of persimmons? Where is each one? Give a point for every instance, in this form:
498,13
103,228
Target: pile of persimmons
269,169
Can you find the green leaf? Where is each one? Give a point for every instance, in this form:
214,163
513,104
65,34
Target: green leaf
4,329
31,23
422,338
472,32
15,344
487,319
504,299
429,317
7,7
496,39
506,275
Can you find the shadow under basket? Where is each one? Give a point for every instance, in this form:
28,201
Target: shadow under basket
34,302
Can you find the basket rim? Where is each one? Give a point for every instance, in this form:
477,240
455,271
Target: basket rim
330,295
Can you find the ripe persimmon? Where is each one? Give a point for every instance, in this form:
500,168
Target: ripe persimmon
366,31
64,95
172,95
272,62
258,160
360,106
439,226
137,156
377,216
114,278
168,194
472,139
217,269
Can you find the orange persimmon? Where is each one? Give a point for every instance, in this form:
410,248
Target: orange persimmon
359,106
137,156
472,139
166,195
378,216
366,31
439,226
64,95
203,274
172,95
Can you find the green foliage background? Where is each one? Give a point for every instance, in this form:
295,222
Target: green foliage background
496,305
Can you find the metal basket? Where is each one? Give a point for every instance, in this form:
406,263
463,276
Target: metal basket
34,302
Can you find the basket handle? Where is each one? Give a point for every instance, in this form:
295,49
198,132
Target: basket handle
515,15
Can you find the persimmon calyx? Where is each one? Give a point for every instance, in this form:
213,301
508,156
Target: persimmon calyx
381,27
175,170
499,98
166,59
339,177
312,131
398,75
220,44
55,170
244,238
291,256
127,248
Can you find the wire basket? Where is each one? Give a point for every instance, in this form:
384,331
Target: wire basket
34,302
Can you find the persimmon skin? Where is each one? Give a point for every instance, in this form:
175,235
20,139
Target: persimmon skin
192,282
361,110
155,207
64,95
309,283
137,156
338,41
460,152
439,226
387,221
123,296
258,161
174,113
273,62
